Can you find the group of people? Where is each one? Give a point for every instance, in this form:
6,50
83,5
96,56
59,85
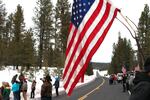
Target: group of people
138,83
19,86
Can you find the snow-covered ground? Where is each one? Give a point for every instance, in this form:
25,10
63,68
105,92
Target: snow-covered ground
7,74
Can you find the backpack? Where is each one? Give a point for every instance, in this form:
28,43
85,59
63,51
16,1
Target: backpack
15,87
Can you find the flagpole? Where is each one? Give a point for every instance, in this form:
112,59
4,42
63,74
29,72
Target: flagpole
134,37
132,22
126,27
128,22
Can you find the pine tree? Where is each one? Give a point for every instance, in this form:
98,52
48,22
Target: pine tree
28,49
123,55
9,35
62,19
44,20
2,30
18,30
144,32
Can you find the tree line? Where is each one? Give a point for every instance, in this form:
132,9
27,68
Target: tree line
123,53
41,45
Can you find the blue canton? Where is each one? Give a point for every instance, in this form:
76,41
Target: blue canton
79,10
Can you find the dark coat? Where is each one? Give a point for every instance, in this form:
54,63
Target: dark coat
46,89
141,90
56,84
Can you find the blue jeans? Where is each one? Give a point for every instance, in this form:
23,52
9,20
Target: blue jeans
16,95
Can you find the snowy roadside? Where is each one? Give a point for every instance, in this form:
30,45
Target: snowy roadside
7,74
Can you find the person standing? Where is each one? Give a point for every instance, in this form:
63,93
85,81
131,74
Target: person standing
24,88
141,89
5,91
124,78
21,81
56,84
16,86
16,90
46,89
23,85
14,78
33,89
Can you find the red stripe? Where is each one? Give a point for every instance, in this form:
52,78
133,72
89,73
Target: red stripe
91,54
71,42
90,21
70,27
90,38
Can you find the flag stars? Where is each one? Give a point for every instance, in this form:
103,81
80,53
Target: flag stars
79,10
80,5
73,7
77,17
76,6
74,13
80,16
84,4
89,3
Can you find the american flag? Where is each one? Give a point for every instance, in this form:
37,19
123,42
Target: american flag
90,22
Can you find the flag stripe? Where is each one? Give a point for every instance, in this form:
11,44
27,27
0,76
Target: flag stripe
72,36
80,46
85,39
91,54
71,30
90,36
89,41
81,31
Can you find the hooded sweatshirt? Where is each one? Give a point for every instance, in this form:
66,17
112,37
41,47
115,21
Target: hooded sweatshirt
141,90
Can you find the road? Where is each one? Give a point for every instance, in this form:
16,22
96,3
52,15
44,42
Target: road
99,89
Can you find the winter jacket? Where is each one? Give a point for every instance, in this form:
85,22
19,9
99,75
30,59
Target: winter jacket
15,87
46,89
6,93
33,85
141,90
56,84
24,86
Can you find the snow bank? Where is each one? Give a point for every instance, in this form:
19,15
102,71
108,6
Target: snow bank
7,74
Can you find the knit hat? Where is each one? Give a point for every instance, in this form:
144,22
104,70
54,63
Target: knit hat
48,78
147,65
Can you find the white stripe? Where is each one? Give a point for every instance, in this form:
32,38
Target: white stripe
92,44
91,28
85,19
70,35
87,16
